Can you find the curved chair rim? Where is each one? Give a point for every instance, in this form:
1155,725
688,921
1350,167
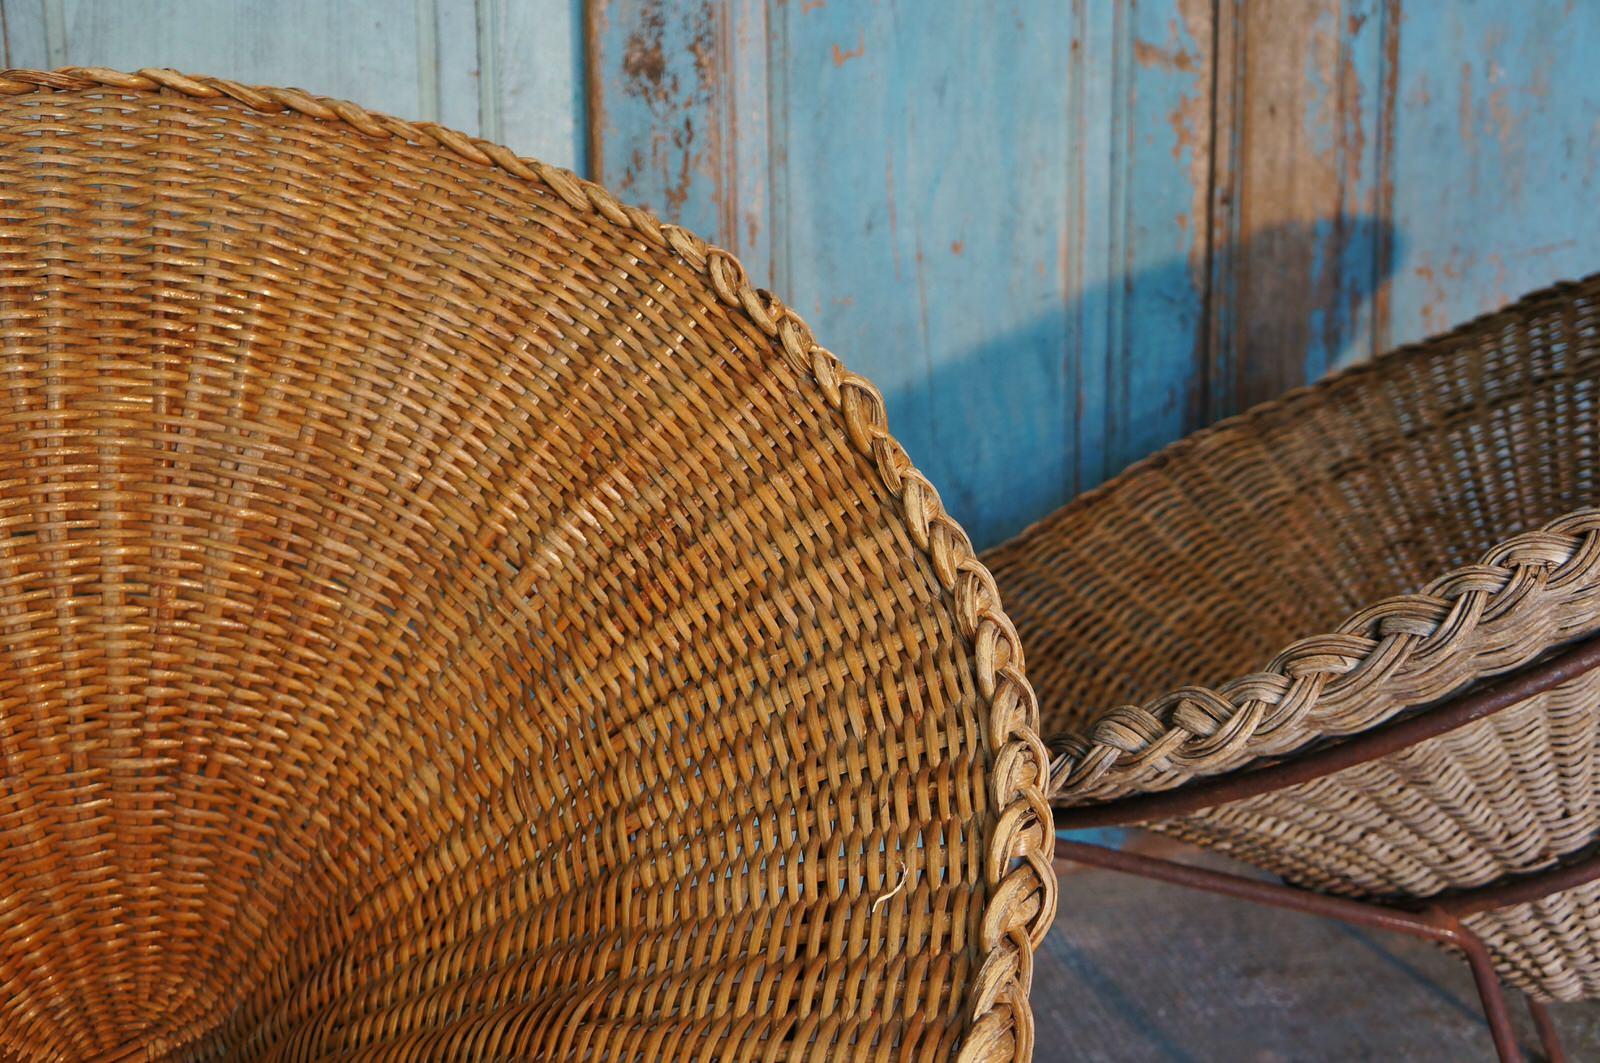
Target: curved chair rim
1318,760
1192,732
1021,883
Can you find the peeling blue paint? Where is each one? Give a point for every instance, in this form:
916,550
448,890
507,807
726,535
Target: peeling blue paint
1015,217
1497,144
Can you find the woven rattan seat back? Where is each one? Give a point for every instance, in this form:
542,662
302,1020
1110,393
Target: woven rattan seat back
447,614
1205,561
1325,563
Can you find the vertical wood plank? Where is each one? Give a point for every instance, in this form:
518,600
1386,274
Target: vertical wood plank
55,32
1139,211
678,114
428,92
447,61
26,46
531,66
1301,239
1496,156
750,146
1159,119
363,51
1091,299
923,212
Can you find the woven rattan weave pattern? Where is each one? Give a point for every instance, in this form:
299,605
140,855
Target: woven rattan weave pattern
1333,504
1465,466
446,613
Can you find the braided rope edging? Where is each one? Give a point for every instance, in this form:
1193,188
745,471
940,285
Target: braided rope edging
1022,887
1525,594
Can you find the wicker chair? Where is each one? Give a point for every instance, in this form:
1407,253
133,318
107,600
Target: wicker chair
447,614
1378,762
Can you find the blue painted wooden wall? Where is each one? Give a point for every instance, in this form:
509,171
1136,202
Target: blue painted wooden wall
1060,234
511,70
1057,233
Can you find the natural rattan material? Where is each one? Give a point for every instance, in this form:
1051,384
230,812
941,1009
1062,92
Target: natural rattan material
1465,466
447,614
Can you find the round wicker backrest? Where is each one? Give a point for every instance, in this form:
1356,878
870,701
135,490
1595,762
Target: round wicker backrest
445,613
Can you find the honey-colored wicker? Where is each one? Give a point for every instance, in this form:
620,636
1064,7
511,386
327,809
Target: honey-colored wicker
1431,512
447,614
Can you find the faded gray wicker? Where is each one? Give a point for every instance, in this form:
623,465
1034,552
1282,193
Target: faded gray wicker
1325,563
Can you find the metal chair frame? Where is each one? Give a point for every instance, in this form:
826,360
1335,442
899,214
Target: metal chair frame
1436,919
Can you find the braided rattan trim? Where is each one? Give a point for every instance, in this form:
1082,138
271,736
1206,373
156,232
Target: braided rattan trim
1193,731
1022,887
1531,591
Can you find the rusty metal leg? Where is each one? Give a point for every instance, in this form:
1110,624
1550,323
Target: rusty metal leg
1434,925
1490,993
1273,894
1549,1038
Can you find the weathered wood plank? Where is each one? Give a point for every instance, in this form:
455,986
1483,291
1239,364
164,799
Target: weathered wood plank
531,65
1301,242
25,35
1496,155
679,112
366,51
922,217
1143,156
454,61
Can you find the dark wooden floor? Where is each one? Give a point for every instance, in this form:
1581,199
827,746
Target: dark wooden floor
1135,970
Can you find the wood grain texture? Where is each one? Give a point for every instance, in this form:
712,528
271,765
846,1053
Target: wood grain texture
420,59
23,23
531,55
1301,236
940,201
1145,161
1497,155
679,114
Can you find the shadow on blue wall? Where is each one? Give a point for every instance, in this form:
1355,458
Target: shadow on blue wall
1012,428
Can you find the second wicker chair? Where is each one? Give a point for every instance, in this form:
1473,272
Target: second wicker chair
1290,622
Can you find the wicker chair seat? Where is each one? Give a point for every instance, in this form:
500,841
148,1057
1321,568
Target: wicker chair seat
447,614
1431,514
